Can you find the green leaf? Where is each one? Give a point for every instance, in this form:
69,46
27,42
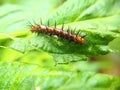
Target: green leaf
33,69
96,19
11,18
30,77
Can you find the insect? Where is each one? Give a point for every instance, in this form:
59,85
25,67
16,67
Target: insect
68,35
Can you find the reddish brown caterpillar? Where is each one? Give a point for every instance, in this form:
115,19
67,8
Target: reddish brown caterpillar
68,35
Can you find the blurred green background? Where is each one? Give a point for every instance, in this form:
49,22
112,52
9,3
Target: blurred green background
36,70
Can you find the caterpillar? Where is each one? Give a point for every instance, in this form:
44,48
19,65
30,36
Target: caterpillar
66,34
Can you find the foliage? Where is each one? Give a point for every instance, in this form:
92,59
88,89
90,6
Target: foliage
27,59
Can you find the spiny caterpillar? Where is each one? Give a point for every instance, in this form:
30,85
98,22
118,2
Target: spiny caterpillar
68,35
